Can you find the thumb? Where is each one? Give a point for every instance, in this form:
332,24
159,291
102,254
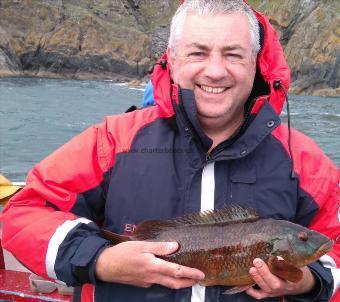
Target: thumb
161,248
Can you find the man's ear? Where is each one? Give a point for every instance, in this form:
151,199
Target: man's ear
171,60
170,55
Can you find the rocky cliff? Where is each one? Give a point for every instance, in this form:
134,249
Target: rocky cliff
121,39
80,38
310,35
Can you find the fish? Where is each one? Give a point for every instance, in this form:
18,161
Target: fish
223,244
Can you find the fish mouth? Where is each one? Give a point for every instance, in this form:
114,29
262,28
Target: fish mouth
325,248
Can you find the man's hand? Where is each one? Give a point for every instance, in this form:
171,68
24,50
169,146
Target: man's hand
272,286
135,263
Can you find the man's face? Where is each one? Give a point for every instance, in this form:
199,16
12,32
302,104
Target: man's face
213,57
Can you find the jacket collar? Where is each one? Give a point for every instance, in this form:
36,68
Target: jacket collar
258,127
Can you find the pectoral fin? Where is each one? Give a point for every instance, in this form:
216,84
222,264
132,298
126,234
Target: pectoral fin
284,270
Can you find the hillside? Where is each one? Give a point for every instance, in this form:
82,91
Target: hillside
310,35
121,39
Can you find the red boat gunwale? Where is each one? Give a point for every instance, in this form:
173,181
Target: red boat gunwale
14,286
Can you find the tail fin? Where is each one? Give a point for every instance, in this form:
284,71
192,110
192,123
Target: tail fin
114,238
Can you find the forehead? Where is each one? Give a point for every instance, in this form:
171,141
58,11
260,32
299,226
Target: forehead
215,30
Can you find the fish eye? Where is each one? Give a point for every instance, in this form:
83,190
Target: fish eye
303,236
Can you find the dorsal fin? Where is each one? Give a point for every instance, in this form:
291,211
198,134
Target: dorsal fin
149,229
227,215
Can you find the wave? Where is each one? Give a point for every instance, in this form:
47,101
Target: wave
127,85
134,88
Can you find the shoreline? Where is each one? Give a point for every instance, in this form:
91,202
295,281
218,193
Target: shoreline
131,82
140,82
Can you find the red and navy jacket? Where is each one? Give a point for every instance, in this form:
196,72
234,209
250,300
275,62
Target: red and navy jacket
153,164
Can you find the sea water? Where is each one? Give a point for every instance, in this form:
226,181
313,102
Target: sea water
39,115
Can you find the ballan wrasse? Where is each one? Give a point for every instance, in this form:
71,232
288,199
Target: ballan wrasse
223,244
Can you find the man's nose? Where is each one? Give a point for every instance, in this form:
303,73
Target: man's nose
216,67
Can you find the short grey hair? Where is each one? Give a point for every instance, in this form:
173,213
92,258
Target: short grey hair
213,7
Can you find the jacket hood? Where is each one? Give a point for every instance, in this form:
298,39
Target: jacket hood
271,82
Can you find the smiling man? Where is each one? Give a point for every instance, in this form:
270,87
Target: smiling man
213,139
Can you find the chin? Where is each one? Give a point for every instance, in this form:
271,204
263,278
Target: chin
213,111
211,114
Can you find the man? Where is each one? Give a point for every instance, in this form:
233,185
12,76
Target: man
213,139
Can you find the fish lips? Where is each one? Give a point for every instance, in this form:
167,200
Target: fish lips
324,249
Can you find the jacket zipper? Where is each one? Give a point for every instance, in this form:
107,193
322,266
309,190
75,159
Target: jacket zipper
191,128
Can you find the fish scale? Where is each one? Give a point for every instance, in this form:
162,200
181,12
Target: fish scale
222,262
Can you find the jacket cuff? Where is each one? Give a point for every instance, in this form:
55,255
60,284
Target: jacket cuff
83,263
92,266
322,291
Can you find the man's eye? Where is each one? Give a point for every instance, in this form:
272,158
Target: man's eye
196,54
234,56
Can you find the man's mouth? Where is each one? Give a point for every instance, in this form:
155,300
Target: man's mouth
215,90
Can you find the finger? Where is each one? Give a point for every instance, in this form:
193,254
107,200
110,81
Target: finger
175,270
160,248
257,293
257,277
268,280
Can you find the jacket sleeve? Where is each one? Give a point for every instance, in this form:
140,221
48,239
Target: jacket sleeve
51,225
319,182
327,221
